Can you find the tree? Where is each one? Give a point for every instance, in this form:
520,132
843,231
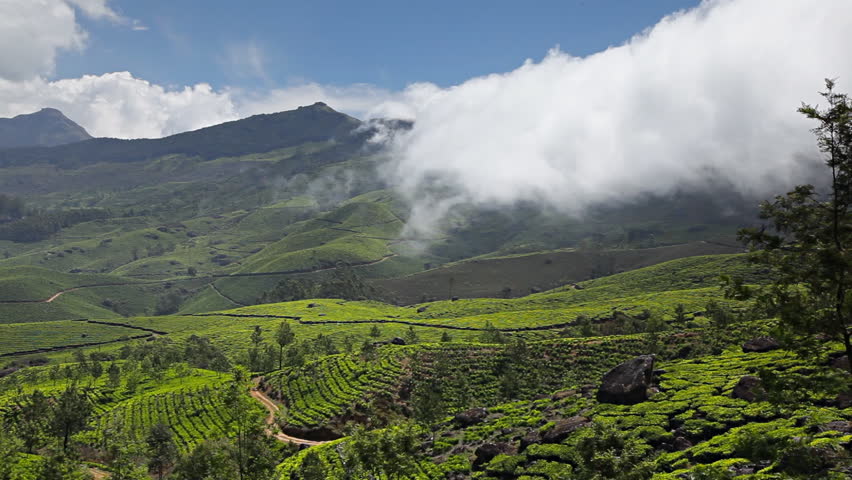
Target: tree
123,453
605,452
252,450
391,452
257,335
61,466
114,375
96,370
411,336
283,337
312,467
210,459
162,451
9,449
70,414
809,250
490,334
30,418
375,332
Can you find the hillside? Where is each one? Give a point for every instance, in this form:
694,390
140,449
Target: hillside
530,365
255,285
257,134
46,128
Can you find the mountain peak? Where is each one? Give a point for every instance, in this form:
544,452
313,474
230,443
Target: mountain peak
45,128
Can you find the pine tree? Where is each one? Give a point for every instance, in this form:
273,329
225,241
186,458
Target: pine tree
809,251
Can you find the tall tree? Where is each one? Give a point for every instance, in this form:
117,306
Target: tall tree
809,250
283,336
162,451
29,419
70,414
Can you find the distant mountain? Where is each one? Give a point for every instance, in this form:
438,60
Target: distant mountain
256,134
46,128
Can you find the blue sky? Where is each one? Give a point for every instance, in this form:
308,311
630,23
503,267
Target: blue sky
388,44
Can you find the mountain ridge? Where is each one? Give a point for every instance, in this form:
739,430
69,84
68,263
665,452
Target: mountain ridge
47,127
255,134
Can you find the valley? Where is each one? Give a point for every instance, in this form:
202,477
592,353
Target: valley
250,296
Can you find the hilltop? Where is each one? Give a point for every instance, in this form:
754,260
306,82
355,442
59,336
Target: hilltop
46,128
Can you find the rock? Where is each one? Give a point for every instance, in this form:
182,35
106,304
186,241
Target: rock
535,290
761,344
397,341
470,417
530,438
313,305
627,383
841,362
841,426
563,394
454,299
421,309
843,400
680,444
749,388
488,451
563,429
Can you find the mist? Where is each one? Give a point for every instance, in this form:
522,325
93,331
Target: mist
706,97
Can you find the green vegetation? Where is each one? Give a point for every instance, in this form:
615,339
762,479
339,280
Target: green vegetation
244,302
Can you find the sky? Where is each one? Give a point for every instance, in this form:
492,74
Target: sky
132,69
568,104
389,44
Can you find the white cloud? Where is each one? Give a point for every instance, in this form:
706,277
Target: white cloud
32,32
119,105
97,9
705,93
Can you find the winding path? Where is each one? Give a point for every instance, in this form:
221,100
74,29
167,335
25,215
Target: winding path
273,408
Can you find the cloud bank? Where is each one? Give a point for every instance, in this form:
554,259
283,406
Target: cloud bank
33,33
707,94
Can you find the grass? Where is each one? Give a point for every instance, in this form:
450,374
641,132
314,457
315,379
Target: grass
21,337
653,288
517,275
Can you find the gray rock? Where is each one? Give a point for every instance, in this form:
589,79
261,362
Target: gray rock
761,344
627,383
470,417
749,388
488,451
564,428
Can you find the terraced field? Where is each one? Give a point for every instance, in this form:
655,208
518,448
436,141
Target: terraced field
634,296
321,396
694,409
43,336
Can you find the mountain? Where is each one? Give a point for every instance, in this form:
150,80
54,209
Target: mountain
256,134
47,127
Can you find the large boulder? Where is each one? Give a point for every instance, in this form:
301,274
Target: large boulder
563,429
749,388
761,344
488,451
470,417
627,383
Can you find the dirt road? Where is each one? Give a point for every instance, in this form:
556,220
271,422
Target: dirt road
270,421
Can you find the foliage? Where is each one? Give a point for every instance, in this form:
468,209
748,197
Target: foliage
812,294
